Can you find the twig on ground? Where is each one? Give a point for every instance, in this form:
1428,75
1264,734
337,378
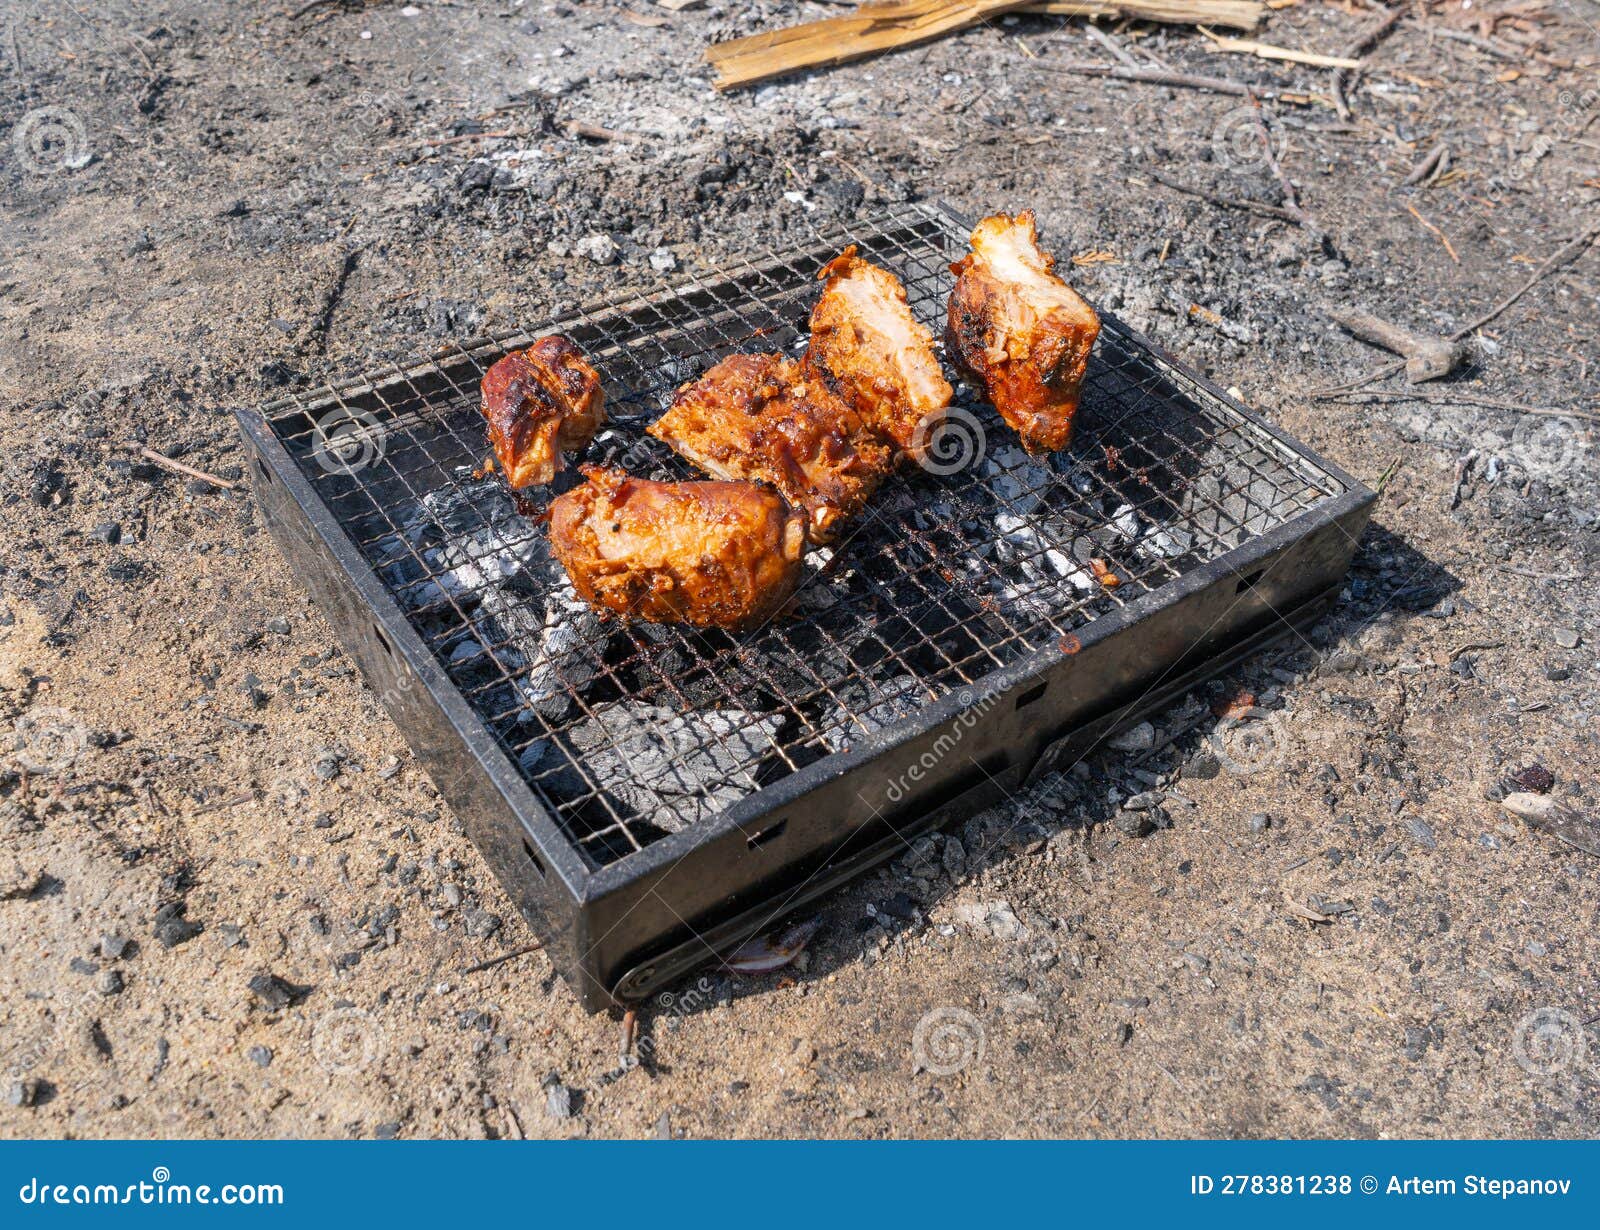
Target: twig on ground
1567,253
1291,198
1430,166
1443,238
1386,477
1564,255
1427,358
223,804
501,959
477,136
1157,76
1255,207
177,467
595,132
1111,45
1268,51
1364,42
1461,399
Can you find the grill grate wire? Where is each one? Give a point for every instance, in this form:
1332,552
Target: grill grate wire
635,729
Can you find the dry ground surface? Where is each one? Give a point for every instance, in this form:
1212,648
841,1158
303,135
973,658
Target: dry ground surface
237,200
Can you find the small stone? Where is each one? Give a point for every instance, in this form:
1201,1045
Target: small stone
1534,777
1202,766
108,532
1133,823
1122,1034
663,1128
114,947
261,1056
21,882
275,993
1260,822
108,982
601,249
1567,638
954,858
232,935
1143,801
452,895
326,766
1138,738
172,928
476,177
387,1130
560,1102
277,625
1421,832
26,1092
662,260
1417,1042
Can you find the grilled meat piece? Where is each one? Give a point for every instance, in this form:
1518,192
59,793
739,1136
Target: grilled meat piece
866,341
539,402
1020,332
713,554
765,418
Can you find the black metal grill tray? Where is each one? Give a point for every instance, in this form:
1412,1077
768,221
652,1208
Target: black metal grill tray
652,793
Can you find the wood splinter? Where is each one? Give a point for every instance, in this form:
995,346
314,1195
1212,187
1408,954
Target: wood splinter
1427,358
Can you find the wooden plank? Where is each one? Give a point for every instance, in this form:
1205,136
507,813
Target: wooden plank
1234,14
874,28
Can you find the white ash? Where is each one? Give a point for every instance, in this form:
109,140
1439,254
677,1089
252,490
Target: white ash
495,568
1017,480
867,709
668,768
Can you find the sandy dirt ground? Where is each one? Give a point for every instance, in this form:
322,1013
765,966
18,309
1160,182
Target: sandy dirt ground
232,905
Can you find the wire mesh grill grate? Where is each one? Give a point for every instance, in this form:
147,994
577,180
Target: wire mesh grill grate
630,730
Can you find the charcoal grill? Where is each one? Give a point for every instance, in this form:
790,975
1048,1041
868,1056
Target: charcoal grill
653,795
